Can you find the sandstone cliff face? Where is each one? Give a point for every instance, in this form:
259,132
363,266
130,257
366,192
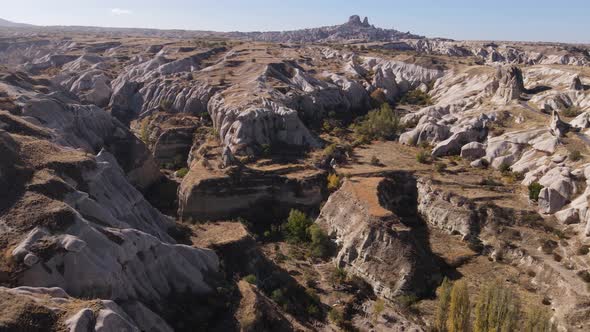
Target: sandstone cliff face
373,242
213,195
448,212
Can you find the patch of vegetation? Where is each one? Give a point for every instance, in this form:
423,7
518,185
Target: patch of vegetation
571,112
320,242
583,250
504,168
181,173
584,275
407,301
423,157
333,182
378,308
251,279
440,167
575,156
490,182
296,227
382,123
534,190
337,276
416,97
144,133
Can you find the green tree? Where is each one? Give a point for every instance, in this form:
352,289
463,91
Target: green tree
442,309
382,123
459,308
320,242
496,309
296,226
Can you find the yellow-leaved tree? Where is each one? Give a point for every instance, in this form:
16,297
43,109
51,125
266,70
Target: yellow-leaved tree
459,308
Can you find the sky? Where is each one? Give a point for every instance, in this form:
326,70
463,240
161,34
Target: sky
540,20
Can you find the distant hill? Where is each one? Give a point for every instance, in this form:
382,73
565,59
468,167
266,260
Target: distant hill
8,24
354,29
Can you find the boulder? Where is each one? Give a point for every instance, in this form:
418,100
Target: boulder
473,151
550,200
577,84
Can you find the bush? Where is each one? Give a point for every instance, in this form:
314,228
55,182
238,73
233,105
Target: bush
571,112
504,168
312,310
459,308
296,226
535,190
320,242
144,134
584,275
251,279
496,309
423,157
416,97
181,173
378,308
407,301
583,250
337,276
575,155
382,123
333,182
336,316
440,167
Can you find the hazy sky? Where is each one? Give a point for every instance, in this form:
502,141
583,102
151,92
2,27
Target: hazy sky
565,20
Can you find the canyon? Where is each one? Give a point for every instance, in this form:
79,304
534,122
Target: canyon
149,177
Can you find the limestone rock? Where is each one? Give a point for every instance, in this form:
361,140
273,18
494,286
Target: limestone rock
557,127
473,150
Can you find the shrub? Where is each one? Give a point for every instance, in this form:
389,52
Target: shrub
423,157
535,190
312,310
406,301
296,226
583,250
336,316
333,181
575,155
378,308
496,309
382,123
181,173
584,275
144,134
251,279
266,150
337,276
442,309
504,168
440,167
416,97
320,242
571,112
459,308
375,161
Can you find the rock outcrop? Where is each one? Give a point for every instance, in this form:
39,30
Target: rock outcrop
374,243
